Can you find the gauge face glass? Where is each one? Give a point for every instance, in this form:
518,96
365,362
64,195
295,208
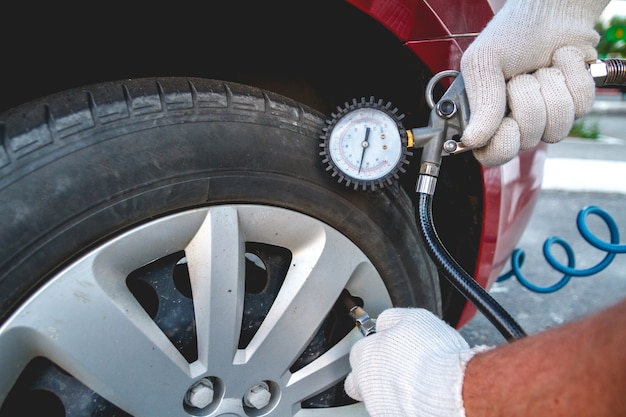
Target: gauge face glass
365,144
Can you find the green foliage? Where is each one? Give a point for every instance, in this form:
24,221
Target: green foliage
612,38
586,129
615,34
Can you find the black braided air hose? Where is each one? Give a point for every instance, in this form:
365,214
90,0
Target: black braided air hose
460,279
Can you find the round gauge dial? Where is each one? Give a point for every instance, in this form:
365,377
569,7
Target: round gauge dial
365,144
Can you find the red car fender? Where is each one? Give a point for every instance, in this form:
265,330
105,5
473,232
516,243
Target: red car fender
438,32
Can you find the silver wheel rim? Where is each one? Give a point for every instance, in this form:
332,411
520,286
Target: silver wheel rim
87,321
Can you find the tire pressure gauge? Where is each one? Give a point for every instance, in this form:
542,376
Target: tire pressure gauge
365,144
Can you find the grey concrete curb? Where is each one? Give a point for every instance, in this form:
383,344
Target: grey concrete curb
608,108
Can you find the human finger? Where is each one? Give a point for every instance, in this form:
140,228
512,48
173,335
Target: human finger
571,61
391,317
528,109
351,387
485,87
503,146
559,104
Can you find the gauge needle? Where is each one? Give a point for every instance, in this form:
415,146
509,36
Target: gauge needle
364,144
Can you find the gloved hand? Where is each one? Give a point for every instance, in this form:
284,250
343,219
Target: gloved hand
534,52
412,366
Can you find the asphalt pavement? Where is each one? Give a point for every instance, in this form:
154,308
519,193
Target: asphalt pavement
578,173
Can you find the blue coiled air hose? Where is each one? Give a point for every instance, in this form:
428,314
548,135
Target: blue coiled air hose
611,248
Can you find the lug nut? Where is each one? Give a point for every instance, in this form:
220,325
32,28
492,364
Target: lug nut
200,394
258,396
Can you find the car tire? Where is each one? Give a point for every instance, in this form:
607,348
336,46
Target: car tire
167,237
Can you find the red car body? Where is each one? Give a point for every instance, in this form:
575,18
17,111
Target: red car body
438,31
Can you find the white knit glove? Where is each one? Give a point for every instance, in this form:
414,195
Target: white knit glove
413,366
534,52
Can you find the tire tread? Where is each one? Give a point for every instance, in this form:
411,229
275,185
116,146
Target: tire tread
79,117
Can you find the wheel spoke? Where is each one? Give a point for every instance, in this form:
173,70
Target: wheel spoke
215,258
317,276
15,344
117,339
322,373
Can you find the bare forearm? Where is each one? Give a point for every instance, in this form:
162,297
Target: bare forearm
577,369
